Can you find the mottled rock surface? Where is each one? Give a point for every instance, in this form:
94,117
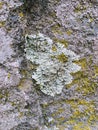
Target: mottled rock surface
22,105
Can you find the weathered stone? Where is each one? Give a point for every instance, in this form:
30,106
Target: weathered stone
72,23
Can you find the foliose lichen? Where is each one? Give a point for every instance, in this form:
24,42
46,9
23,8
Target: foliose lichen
54,61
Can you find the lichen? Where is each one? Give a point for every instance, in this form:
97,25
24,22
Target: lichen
54,61
62,41
81,126
69,32
1,4
51,128
56,29
2,23
21,15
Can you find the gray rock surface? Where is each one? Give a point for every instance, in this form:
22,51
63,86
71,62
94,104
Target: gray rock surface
22,105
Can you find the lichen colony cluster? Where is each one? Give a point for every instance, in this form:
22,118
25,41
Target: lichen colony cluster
54,63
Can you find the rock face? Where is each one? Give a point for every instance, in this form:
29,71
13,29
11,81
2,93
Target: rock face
8,65
32,100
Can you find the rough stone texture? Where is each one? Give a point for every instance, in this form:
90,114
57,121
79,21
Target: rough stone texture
22,105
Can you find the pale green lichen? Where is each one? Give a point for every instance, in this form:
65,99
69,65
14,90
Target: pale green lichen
55,63
51,128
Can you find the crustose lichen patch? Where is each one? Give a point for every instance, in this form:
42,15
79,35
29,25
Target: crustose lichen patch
55,63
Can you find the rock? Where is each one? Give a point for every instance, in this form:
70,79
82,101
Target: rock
22,103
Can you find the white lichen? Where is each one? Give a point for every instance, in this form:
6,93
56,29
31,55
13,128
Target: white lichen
55,63
50,128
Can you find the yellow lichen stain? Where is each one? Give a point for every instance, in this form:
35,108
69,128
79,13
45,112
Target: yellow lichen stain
80,8
59,111
61,41
21,114
96,70
49,104
76,113
62,58
24,73
9,75
1,95
78,77
92,118
4,95
60,127
69,32
53,14
56,29
91,20
60,119
88,109
44,105
84,84
70,122
53,57
82,62
25,84
1,5
13,103
21,14
2,23
54,48
81,126
86,90
84,79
